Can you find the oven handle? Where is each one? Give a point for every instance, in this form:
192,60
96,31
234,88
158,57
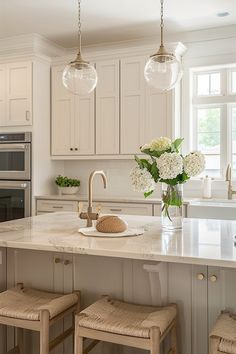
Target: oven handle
13,147
16,185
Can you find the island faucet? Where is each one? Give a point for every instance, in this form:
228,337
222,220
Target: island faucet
90,215
228,178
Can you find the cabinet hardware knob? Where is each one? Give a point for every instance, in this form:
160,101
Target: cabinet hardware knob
71,149
66,262
200,276
213,278
76,149
57,260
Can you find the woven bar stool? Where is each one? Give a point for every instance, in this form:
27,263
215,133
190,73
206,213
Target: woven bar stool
122,323
36,310
223,335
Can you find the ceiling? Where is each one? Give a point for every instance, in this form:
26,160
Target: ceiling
109,20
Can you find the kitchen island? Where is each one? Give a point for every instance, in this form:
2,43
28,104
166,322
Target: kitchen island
193,267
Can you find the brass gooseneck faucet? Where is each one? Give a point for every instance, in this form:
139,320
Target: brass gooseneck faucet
90,215
228,178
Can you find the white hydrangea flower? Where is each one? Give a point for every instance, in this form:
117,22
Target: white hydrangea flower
160,144
142,180
194,163
170,165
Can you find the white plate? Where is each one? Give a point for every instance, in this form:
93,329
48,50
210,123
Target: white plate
91,231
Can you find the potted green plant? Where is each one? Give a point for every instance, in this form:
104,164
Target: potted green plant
67,185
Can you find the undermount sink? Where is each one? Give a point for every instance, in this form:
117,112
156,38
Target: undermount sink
214,208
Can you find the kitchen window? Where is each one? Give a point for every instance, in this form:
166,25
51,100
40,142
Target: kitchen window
213,117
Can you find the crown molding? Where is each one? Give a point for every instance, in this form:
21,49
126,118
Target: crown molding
96,53
29,44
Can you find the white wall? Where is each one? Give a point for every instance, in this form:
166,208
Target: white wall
117,172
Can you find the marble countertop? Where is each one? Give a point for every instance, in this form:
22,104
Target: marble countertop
207,242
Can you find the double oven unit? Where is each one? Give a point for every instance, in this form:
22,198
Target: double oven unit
15,176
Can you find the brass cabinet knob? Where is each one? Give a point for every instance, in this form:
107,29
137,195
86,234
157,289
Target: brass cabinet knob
213,278
57,260
71,149
200,276
66,262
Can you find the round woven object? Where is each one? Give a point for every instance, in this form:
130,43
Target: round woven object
110,224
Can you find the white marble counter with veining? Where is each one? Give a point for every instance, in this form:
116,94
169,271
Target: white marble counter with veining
208,242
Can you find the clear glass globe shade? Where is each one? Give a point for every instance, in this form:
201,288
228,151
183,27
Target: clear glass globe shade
80,78
163,72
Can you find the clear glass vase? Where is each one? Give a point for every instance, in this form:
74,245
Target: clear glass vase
172,206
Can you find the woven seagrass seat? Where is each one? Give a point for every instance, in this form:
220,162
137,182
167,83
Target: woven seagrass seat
128,324
223,335
26,304
36,310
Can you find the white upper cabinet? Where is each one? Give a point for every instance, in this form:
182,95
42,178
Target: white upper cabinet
16,94
144,112
126,113
2,94
62,115
72,119
84,125
158,106
107,108
132,104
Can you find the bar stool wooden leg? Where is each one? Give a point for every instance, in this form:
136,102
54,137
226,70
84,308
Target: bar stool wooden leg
173,340
19,339
44,332
78,340
155,340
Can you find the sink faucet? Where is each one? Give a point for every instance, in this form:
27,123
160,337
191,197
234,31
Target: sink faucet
90,215
228,178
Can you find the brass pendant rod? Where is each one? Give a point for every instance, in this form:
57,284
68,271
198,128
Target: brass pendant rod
79,26
162,23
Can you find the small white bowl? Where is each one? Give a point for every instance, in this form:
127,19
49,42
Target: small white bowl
68,190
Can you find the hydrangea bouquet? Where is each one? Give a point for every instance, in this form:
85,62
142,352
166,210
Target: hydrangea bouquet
166,165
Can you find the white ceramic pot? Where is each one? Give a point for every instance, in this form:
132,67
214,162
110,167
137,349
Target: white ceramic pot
68,190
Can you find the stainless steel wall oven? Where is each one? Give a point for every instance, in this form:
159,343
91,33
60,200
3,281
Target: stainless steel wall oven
15,175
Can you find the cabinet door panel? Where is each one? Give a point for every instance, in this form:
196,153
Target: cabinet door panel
132,104
107,108
2,94
62,115
221,292
84,125
156,115
199,311
19,93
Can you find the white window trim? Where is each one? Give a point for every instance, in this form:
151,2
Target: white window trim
225,100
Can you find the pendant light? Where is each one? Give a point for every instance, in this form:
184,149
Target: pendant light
163,70
79,76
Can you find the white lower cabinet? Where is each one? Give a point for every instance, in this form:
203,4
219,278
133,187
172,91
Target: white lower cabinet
200,292
124,208
44,206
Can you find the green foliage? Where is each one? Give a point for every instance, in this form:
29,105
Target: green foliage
180,179
176,144
209,127
67,182
147,194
